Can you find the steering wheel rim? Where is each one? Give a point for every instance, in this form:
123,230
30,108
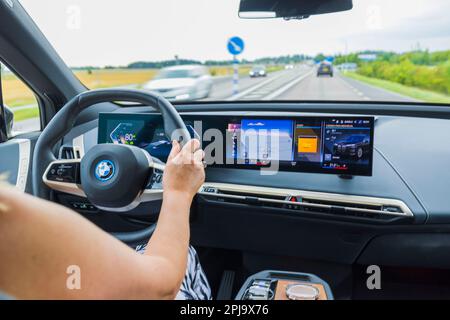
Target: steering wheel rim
65,119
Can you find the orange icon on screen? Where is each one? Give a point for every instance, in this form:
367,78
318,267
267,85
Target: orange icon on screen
307,145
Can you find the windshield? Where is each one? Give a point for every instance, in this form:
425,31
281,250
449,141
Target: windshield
381,50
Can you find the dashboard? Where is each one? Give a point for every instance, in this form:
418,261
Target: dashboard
331,218
409,172
312,144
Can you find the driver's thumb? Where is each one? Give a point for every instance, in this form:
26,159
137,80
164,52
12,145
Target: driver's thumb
176,148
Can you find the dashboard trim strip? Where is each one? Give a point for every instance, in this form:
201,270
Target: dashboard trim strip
342,198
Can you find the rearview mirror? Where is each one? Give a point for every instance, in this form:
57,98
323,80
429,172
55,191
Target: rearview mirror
290,9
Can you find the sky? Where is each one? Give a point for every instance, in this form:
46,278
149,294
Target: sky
113,32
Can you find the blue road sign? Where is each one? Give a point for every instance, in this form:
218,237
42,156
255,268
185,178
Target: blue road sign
236,46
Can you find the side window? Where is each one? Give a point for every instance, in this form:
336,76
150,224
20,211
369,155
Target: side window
21,102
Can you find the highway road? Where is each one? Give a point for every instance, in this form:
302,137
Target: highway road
257,88
300,83
339,88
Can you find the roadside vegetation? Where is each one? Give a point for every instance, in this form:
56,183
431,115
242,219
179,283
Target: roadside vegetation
243,70
107,78
15,93
18,95
25,114
104,78
412,92
23,102
421,75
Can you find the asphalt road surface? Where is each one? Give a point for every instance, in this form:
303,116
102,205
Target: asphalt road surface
339,87
300,83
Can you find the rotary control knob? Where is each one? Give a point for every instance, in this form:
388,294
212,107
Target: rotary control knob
302,292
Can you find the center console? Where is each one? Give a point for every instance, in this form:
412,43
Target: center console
280,285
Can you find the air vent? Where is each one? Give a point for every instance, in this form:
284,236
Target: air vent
66,153
309,202
354,205
253,195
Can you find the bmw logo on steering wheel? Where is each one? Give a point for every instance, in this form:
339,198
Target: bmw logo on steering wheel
104,170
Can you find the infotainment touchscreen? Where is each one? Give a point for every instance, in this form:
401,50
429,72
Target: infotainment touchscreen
334,145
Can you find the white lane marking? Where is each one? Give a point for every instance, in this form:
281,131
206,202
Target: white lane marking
358,92
285,88
254,88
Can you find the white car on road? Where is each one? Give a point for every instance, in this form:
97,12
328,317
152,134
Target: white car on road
182,83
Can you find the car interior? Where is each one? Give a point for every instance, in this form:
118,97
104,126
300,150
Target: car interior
358,182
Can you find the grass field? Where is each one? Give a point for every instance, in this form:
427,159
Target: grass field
25,114
115,77
16,94
415,93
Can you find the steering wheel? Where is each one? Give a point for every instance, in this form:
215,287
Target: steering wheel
113,178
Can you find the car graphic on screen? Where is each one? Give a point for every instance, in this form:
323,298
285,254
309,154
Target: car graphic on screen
355,146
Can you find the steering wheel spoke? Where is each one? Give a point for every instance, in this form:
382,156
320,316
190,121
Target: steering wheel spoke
64,176
154,190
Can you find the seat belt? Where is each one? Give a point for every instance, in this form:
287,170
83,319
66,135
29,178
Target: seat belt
3,131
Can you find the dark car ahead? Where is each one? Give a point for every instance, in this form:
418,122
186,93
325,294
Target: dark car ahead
325,69
356,146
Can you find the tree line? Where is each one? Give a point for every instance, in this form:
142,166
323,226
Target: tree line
286,59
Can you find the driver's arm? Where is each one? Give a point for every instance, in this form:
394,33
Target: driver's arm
39,240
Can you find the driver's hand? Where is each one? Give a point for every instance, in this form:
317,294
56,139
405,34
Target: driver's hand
185,172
